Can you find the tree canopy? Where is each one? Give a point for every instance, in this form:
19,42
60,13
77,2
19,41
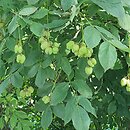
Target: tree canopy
64,64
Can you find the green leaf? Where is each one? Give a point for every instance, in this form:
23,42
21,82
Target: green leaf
123,111
112,39
59,93
125,2
46,62
128,60
46,118
19,126
66,66
105,33
9,56
55,23
2,44
91,36
59,110
27,11
45,90
40,106
107,99
13,121
13,24
8,4
1,123
120,99
107,55
21,114
50,73
4,85
36,28
119,45
124,22
17,80
114,7
98,70
40,78
2,68
41,13
66,4
10,43
82,88
26,128
32,72
92,10
80,119
69,109
111,108
27,21
26,123
79,72
32,57
86,104
118,65
32,2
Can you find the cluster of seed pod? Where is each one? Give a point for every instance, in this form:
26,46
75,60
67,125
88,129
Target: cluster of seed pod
91,63
47,46
26,92
79,50
19,51
46,99
125,82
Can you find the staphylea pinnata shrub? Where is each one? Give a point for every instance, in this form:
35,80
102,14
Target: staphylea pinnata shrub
64,65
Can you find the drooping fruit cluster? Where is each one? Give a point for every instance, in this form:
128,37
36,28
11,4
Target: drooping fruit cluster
79,50
26,92
18,50
125,82
47,46
20,58
91,63
46,99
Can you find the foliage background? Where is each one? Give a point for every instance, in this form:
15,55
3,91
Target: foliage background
77,100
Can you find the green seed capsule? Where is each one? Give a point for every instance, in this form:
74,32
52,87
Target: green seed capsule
88,70
123,82
46,99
